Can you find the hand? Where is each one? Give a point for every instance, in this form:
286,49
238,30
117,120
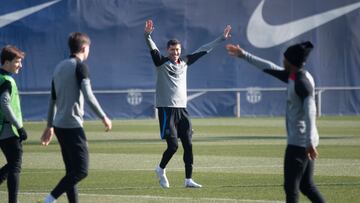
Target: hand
312,153
47,136
227,30
22,134
235,50
107,123
149,27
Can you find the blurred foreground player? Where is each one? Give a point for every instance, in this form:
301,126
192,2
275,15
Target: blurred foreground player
302,134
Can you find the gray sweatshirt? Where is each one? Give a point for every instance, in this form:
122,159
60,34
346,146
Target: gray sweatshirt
300,109
70,86
171,88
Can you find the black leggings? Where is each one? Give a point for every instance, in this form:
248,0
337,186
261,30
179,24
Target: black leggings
298,174
175,123
12,149
75,154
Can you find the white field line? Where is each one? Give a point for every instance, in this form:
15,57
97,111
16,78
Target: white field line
156,197
84,189
205,167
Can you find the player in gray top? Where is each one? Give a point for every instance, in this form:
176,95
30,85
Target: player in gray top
171,99
302,134
70,86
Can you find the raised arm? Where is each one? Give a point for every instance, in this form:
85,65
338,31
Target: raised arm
149,28
154,51
191,58
262,64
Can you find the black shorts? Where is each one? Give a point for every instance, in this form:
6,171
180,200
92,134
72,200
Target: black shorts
174,122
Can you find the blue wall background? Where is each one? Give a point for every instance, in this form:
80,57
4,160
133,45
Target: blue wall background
120,60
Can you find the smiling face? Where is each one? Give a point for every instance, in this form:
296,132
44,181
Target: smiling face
174,52
11,58
13,66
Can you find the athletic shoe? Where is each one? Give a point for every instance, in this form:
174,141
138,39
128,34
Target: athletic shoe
161,174
49,199
191,183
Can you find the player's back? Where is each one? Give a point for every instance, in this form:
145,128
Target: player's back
69,99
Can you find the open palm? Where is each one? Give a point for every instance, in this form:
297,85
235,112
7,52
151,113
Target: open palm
149,26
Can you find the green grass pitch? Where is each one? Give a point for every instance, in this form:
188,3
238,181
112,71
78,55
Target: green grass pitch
236,160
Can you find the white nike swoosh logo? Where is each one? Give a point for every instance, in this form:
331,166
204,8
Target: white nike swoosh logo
263,35
193,96
17,15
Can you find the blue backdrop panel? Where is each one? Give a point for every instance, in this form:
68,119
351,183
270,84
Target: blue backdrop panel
213,104
122,105
120,60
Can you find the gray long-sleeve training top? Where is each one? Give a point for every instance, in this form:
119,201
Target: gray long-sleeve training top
300,109
70,86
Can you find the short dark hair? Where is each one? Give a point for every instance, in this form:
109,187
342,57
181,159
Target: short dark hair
77,40
9,52
173,42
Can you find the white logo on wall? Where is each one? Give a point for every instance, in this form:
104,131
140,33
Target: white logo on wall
134,97
287,31
253,95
